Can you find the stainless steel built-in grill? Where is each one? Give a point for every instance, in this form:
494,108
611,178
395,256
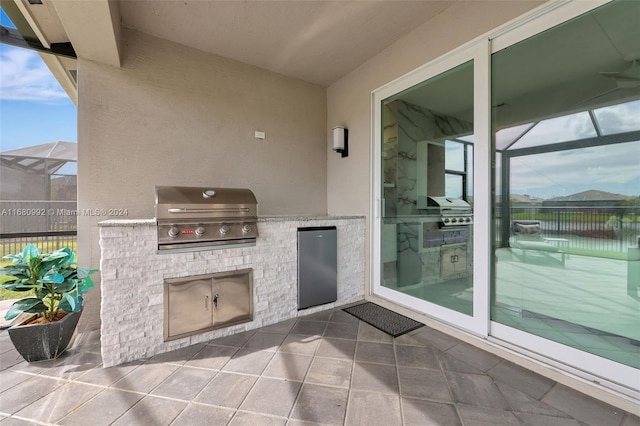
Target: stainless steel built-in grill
452,211
197,218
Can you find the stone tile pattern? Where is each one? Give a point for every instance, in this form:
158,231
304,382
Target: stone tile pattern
132,281
406,126
325,368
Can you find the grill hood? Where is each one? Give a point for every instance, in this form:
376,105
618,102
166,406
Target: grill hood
448,204
200,218
186,202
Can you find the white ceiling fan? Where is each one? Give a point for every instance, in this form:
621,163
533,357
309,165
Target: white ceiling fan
625,81
628,78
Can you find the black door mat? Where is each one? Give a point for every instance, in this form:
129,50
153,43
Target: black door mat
383,319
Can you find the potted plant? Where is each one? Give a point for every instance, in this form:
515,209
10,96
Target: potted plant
57,286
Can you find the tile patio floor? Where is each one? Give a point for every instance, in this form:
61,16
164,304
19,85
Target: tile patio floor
326,368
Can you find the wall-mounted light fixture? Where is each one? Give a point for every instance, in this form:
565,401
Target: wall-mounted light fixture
341,140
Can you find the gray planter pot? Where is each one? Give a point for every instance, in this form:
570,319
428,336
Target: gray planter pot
38,342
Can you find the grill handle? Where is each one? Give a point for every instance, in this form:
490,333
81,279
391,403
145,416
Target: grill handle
211,210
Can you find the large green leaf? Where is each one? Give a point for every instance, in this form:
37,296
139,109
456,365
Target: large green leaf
58,254
29,253
85,284
57,259
21,285
53,278
30,304
11,270
17,260
70,302
85,272
69,259
67,272
65,287
52,263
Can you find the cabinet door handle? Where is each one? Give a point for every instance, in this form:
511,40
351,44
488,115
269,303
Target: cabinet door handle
206,302
215,300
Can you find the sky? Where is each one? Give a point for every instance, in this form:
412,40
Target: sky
613,168
34,109
609,168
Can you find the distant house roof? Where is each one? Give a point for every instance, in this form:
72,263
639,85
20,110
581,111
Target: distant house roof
590,195
519,198
41,159
590,198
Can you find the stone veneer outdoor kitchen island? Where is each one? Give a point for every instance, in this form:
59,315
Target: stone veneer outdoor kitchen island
133,274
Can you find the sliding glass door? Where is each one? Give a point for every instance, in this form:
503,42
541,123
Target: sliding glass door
426,193
426,159
567,139
506,189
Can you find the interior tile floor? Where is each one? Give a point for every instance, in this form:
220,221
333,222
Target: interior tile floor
325,368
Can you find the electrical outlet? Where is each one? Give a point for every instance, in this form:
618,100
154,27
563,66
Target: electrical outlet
260,134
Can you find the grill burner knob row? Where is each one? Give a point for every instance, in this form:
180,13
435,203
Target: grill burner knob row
173,232
224,229
452,220
200,230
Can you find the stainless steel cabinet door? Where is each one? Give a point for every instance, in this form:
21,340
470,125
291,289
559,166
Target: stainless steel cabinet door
190,303
232,298
453,260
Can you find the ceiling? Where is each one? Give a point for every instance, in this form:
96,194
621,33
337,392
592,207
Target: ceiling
318,41
315,41
559,71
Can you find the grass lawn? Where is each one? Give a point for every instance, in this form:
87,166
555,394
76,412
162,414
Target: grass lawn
9,295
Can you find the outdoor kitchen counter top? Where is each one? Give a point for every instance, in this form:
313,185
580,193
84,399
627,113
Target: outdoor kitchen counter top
285,218
152,222
127,222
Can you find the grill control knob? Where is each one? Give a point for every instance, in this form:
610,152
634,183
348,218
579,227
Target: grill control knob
173,232
468,219
454,220
224,229
246,229
200,230
446,220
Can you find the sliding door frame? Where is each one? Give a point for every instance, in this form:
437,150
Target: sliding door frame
478,323
592,368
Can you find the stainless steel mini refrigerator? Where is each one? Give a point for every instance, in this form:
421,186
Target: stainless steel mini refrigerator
317,266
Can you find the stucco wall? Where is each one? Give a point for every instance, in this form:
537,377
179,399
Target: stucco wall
349,99
173,115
